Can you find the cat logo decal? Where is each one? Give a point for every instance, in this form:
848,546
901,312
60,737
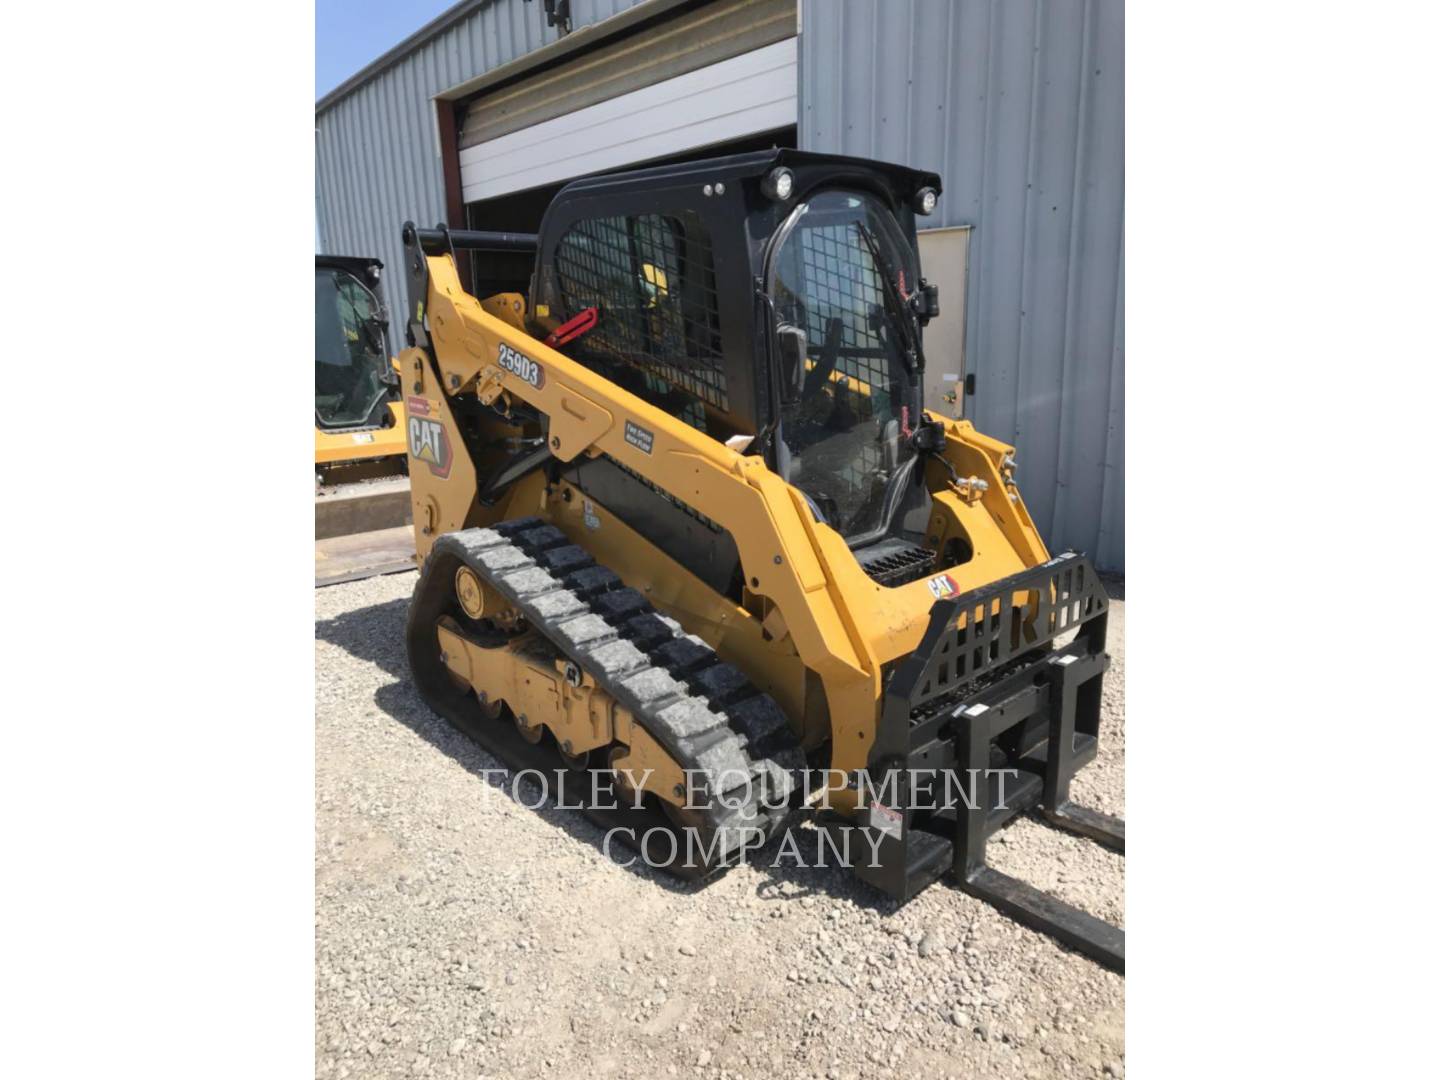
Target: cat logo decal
429,443
943,587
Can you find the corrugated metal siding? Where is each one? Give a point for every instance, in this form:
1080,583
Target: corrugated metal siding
377,153
1020,108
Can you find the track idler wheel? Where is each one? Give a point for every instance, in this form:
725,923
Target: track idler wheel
490,709
576,763
531,733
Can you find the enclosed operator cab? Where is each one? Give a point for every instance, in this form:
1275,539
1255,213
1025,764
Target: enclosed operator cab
359,431
772,300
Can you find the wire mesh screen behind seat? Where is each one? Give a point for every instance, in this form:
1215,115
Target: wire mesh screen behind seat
652,278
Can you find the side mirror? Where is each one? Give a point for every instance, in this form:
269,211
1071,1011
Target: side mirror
792,348
927,301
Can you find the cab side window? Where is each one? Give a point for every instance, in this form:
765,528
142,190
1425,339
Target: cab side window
651,278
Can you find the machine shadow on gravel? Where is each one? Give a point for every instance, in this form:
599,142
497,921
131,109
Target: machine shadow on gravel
375,634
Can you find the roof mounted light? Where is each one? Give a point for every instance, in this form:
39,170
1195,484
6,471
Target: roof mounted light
925,200
779,184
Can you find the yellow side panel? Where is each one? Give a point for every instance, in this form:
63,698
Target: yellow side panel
332,446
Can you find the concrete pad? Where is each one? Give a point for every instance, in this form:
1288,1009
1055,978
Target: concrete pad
359,508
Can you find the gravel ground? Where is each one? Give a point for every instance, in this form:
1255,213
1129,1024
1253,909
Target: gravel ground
459,933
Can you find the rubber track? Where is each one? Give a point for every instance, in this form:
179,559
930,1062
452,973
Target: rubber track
703,711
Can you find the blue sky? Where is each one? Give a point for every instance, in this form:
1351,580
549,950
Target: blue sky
351,33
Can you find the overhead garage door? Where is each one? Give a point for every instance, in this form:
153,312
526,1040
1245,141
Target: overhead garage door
719,73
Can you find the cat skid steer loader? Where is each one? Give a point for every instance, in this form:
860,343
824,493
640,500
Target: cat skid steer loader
687,533
358,430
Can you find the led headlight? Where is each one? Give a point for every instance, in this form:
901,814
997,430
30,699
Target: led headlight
779,184
925,200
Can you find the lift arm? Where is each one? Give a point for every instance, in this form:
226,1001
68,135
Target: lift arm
476,352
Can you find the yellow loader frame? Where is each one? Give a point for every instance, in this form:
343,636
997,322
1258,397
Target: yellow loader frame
809,613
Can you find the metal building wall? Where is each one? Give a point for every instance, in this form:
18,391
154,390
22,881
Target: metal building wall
1019,106
377,150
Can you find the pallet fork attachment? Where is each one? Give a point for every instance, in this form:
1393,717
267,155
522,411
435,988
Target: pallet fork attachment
1020,901
989,695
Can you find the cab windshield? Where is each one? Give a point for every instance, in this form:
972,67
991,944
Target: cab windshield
349,361
843,272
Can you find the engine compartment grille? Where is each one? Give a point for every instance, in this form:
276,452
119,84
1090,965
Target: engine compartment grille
895,562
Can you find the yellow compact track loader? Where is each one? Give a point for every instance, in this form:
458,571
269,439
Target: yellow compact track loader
359,432
691,545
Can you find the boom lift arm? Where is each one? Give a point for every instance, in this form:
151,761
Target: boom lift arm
476,352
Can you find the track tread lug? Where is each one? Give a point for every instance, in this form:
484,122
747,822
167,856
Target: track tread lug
620,604
592,581
725,765
652,686
543,538
518,525
565,560
721,683
616,658
497,560
685,654
759,720
690,717
530,582
584,632
477,540
648,631
557,605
